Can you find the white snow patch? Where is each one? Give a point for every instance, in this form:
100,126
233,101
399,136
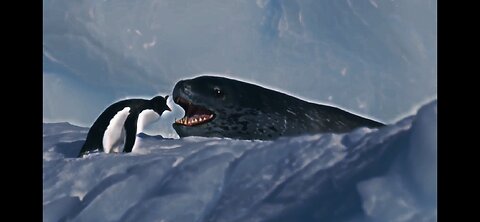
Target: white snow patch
343,72
170,147
262,3
228,178
150,44
177,161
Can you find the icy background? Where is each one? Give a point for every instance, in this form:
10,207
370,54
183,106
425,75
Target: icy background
377,58
380,175
372,57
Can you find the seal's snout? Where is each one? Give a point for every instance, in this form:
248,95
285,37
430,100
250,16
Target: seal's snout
181,89
177,90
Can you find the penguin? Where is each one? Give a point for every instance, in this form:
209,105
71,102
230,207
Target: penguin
115,130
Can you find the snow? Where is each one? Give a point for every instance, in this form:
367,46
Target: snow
387,174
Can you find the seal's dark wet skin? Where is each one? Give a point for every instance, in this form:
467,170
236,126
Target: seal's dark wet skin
222,107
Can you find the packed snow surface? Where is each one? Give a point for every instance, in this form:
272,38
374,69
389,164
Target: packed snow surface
386,174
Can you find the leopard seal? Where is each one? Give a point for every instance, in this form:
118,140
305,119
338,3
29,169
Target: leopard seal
223,107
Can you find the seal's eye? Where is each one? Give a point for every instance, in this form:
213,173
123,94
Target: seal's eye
217,92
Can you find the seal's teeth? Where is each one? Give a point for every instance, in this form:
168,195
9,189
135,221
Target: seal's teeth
196,120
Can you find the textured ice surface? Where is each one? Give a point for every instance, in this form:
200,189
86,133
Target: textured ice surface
365,175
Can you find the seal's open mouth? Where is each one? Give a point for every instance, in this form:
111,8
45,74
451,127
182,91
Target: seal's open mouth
194,114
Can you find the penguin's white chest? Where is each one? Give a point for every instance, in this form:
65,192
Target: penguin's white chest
145,118
114,136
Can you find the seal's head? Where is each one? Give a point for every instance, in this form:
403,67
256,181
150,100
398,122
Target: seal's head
222,107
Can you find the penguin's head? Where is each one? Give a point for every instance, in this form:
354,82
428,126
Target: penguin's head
159,104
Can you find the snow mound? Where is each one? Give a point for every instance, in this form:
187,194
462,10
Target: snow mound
387,174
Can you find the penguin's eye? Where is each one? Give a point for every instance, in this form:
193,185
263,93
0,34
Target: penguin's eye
217,92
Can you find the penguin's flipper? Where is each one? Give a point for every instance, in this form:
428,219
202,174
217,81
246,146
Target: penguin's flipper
131,132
